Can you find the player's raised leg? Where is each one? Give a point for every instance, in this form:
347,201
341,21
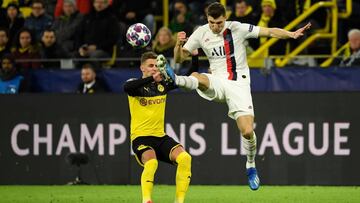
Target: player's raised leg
245,125
164,68
192,82
147,176
183,172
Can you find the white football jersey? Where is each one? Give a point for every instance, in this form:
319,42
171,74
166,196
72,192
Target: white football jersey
226,51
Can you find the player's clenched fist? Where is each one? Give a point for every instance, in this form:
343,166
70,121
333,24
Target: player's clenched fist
181,38
157,77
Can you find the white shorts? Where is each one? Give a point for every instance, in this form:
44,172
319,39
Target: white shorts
236,94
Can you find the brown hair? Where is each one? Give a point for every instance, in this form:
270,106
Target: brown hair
216,10
90,66
38,2
148,55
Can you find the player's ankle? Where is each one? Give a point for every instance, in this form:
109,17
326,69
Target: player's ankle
250,164
179,200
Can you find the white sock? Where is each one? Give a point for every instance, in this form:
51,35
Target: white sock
250,148
188,82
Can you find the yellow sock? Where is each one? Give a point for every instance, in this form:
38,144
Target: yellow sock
183,176
147,179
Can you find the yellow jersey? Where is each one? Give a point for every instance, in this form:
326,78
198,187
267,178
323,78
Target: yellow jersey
147,102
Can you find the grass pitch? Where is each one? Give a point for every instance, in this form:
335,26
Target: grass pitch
165,194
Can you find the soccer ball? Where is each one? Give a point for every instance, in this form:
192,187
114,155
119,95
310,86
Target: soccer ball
138,35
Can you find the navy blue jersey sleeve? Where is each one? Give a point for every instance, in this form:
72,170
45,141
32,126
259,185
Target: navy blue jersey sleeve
133,86
170,86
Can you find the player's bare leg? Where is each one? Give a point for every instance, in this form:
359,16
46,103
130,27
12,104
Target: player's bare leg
150,162
203,81
245,125
183,172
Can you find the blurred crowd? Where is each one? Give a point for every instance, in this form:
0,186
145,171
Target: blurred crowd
38,33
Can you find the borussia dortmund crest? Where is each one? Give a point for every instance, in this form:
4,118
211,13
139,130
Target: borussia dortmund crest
160,87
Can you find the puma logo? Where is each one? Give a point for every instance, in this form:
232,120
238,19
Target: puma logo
141,147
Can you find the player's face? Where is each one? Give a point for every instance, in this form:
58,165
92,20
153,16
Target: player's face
149,67
216,25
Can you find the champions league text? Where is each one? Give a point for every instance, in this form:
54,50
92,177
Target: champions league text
294,139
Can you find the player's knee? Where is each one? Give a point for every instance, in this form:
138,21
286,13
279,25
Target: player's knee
203,80
151,164
184,159
247,132
195,74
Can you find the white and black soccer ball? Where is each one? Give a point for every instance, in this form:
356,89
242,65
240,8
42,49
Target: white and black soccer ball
138,35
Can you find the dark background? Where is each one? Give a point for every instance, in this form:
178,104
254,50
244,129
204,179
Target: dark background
184,112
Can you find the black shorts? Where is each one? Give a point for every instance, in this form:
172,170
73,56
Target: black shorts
162,146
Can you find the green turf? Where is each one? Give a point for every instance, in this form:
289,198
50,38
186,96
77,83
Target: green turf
165,194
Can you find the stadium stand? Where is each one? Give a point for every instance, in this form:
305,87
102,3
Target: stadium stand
75,25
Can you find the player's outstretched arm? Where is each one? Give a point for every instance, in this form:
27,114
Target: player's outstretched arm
281,33
180,54
132,86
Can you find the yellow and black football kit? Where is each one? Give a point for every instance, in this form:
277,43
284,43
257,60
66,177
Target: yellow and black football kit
147,102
